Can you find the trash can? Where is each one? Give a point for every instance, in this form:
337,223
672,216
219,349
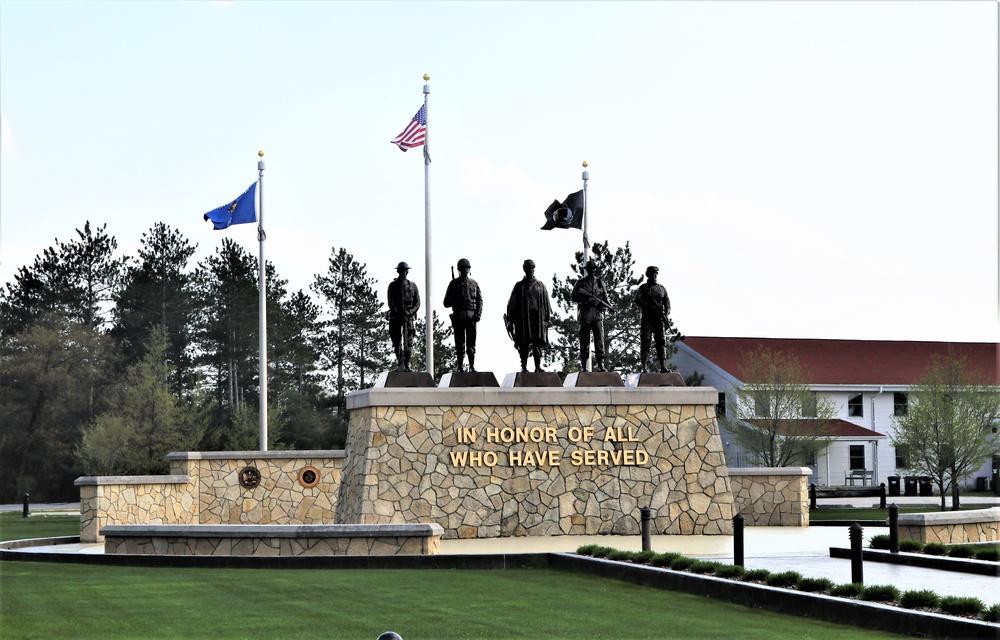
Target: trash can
982,483
996,482
893,485
926,488
910,485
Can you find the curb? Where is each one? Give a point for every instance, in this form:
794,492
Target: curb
961,565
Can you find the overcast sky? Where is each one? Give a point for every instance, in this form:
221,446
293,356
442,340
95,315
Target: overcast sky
795,169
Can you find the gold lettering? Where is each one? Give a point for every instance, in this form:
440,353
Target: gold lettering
575,434
506,435
609,435
588,433
576,457
537,434
602,456
458,458
641,457
521,434
628,457
631,435
514,458
492,434
466,434
490,458
550,434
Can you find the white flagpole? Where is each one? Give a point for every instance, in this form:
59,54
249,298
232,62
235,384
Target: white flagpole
429,294
262,268
586,240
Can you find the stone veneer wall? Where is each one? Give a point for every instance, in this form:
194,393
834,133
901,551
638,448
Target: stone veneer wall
400,466
772,496
204,488
108,500
951,527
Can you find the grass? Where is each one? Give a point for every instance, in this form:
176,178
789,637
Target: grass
43,600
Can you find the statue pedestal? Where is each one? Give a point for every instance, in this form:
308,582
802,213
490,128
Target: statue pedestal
532,379
670,379
404,379
594,379
459,379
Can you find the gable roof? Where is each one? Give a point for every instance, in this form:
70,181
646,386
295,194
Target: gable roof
832,428
875,362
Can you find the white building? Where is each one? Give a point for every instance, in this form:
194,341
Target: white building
866,380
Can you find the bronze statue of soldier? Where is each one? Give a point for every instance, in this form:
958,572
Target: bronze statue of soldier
528,316
404,304
466,301
591,300
652,299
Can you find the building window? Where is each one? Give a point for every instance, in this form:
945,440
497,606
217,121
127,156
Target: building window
810,459
900,458
809,406
899,402
857,456
762,407
720,406
856,406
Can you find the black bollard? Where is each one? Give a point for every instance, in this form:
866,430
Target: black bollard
389,635
24,512
893,528
857,569
645,517
738,539
881,493
812,495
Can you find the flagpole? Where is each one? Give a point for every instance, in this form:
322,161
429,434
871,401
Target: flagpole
429,326
586,240
262,268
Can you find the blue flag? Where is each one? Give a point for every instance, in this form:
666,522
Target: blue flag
240,211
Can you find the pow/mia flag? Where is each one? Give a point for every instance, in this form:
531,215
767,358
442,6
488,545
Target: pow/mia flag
567,214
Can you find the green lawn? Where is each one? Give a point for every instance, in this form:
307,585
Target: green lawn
43,600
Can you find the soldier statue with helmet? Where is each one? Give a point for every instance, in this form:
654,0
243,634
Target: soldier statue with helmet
404,304
652,300
466,301
591,298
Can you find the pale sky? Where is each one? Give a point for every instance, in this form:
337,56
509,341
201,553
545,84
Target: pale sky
795,169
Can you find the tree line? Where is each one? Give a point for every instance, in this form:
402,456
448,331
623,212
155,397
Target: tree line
109,362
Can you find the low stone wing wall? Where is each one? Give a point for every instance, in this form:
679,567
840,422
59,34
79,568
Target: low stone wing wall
106,500
951,527
273,540
772,496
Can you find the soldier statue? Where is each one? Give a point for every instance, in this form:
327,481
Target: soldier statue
528,316
404,304
466,301
655,305
591,299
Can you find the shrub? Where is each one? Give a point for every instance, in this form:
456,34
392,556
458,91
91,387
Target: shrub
880,541
756,575
880,593
849,590
601,552
961,606
960,551
682,563
934,549
704,566
911,546
733,571
783,579
919,599
620,556
987,554
664,559
643,557
814,585
587,549
992,614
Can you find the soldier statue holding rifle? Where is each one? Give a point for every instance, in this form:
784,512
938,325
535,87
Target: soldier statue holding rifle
466,301
404,304
592,299
655,305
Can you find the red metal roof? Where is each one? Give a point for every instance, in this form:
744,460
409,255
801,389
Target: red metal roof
882,362
833,428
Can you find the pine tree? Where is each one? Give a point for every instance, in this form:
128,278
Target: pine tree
444,347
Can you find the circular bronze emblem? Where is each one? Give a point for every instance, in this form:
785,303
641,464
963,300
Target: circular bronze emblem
309,477
249,477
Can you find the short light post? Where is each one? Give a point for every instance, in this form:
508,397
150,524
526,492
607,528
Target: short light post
857,562
738,539
645,517
893,528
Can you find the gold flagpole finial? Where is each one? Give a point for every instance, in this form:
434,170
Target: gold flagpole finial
261,153
585,164
427,77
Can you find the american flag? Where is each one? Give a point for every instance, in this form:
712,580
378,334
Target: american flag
413,134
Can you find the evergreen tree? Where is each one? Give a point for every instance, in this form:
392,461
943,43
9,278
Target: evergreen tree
143,423
75,279
158,293
444,347
357,344
621,327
